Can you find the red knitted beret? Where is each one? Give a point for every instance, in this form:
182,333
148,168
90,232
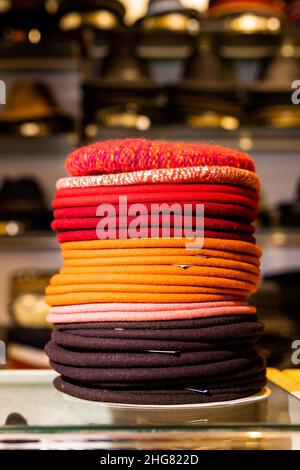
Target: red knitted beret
122,156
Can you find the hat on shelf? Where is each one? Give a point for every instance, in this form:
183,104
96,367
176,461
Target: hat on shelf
289,211
207,69
207,96
125,96
29,331
23,207
122,66
27,304
250,28
257,8
287,281
270,99
282,70
168,30
170,15
97,14
32,111
91,25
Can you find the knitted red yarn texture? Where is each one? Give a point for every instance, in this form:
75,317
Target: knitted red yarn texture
127,155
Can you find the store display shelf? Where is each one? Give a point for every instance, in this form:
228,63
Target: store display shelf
64,56
271,423
222,25
259,140
39,63
279,237
265,140
58,144
54,54
36,242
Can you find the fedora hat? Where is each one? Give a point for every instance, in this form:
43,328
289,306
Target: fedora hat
248,27
233,8
32,110
98,14
169,15
125,96
22,201
207,97
270,99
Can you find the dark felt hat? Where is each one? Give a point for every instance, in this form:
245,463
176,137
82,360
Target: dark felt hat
207,97
170,17
228,368
84,6
270,100
73,357
177,396
125,96
33,337
159,340
161,325
22,200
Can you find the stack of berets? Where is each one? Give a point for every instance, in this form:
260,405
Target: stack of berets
161,320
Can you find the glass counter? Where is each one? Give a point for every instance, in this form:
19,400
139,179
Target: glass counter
42,418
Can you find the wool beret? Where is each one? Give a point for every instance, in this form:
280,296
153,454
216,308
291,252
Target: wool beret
118,156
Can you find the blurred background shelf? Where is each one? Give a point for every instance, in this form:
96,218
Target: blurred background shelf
34,242
50,54
15,64
259,140
279,237
36,146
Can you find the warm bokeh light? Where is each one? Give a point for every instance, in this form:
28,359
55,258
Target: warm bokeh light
29,129
4,5
249,23
246,143
34,36
288,50
230,123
